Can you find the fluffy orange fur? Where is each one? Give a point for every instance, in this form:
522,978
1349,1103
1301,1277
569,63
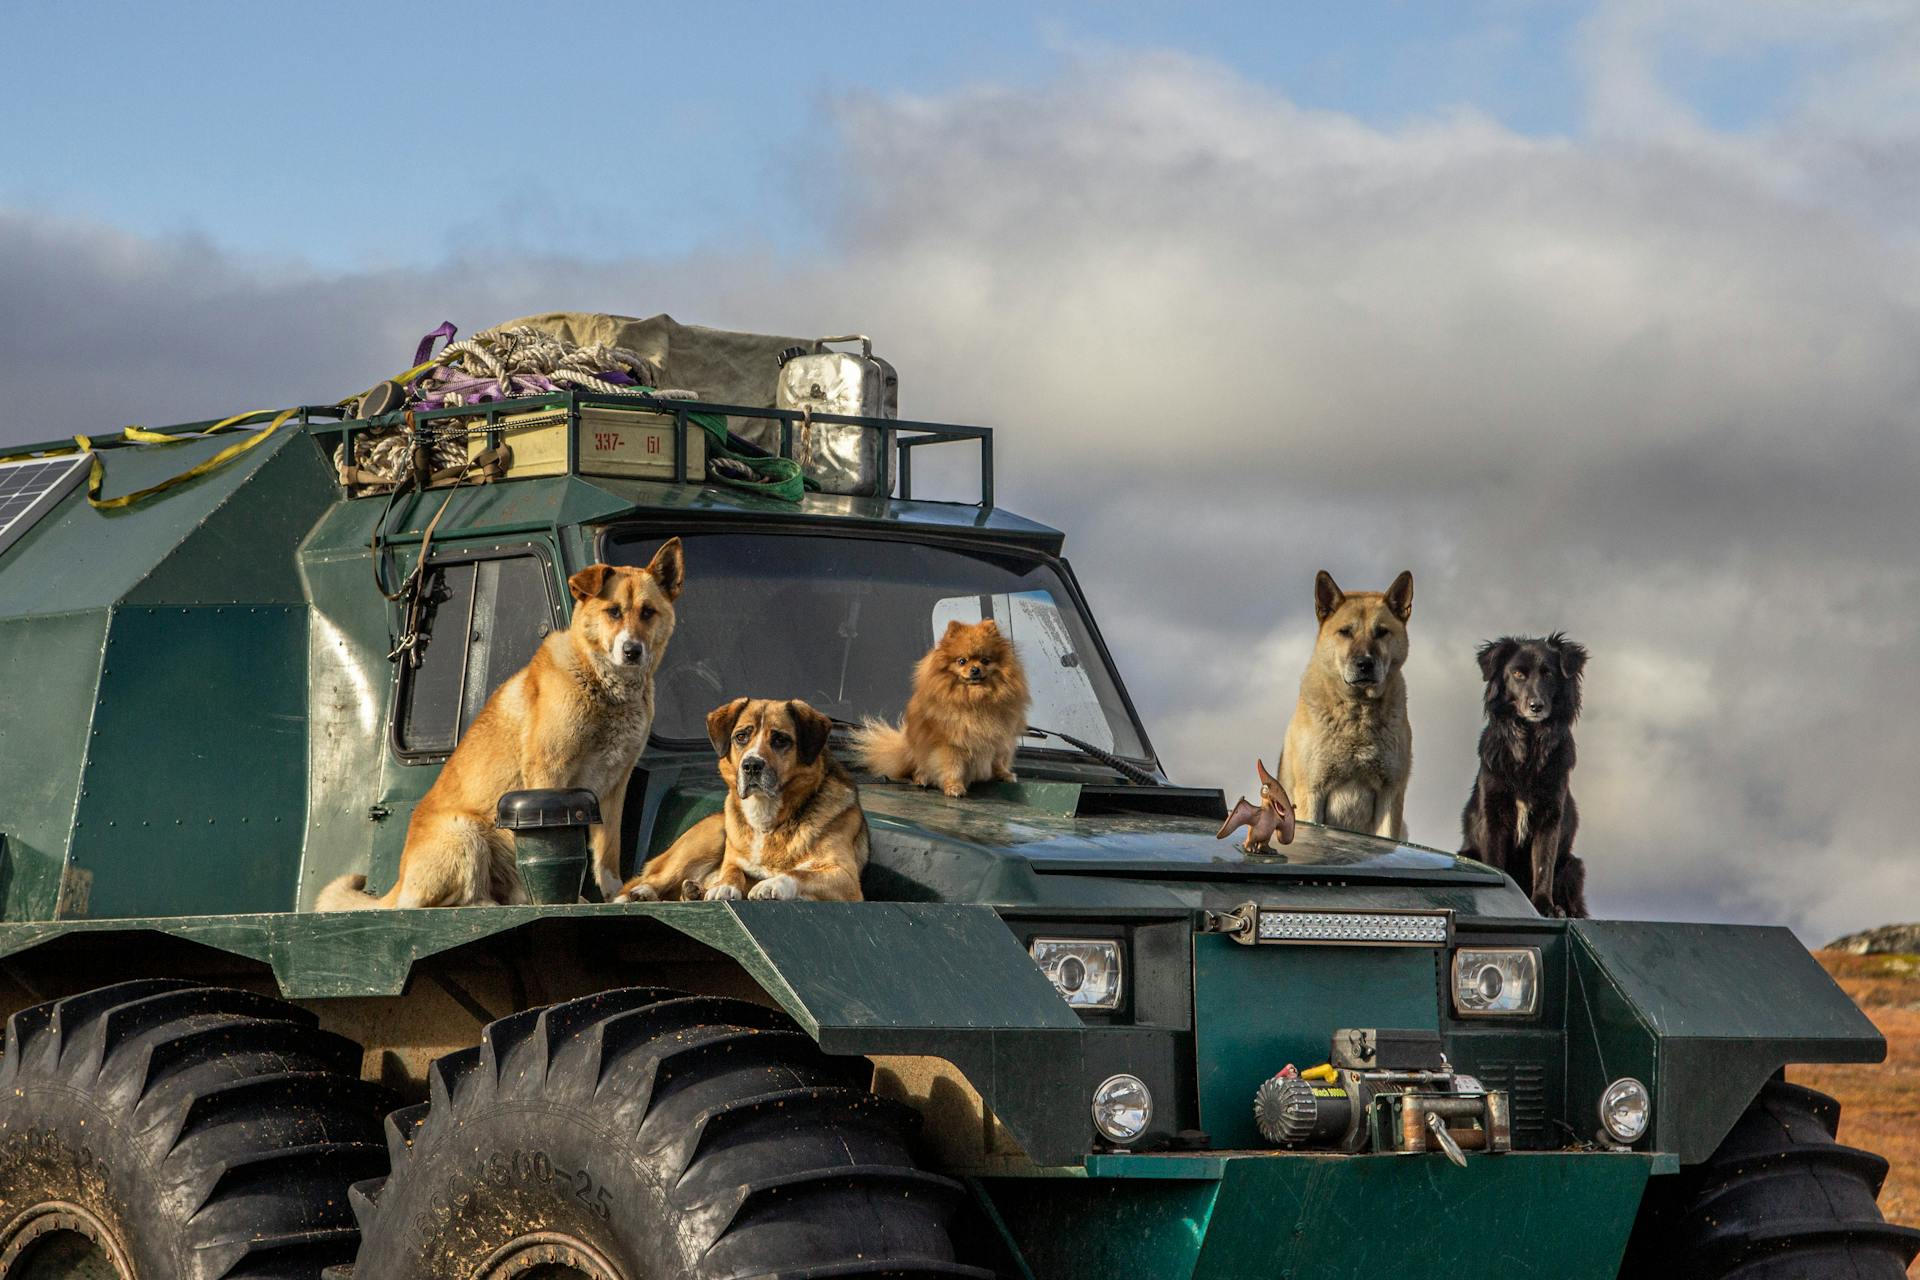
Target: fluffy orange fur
964,721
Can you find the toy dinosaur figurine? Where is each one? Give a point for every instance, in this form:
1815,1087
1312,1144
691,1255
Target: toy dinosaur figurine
1273,816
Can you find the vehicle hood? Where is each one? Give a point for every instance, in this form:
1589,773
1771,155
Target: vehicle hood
1041,824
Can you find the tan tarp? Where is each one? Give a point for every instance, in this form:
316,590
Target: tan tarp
721,366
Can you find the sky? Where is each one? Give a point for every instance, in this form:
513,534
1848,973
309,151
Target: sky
1599,318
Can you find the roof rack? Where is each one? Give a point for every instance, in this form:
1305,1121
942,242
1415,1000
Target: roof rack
908,434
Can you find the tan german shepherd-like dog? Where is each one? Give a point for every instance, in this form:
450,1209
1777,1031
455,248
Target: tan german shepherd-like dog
577,715
1349,748
792,826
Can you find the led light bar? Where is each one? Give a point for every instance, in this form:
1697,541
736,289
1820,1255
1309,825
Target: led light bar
1356,928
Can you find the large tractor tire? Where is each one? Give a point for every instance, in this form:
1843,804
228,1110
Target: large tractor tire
162,1130
643,1134
1779,1199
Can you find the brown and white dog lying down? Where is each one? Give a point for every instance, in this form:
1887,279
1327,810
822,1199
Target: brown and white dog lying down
792,825
577,715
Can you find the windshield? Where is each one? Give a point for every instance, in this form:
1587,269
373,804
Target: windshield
841,622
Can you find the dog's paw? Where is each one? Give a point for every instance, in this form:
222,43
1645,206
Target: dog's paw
955,789
637,892
1005,775
782,888
722,893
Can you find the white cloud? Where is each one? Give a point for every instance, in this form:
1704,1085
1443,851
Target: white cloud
1653,387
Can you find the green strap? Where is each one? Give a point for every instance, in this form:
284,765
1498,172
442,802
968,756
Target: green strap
780,477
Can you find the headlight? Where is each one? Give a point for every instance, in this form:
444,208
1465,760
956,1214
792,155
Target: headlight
1625,1109
1122,1106
1086,974
1496,980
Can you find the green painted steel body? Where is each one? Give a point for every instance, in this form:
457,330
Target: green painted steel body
197,738
1264,1217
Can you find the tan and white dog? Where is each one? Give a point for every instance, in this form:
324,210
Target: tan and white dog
1349,747
577,715
792,826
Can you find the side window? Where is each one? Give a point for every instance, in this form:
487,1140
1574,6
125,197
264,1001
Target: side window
482,621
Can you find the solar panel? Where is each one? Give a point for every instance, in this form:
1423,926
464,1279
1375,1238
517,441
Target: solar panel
30,489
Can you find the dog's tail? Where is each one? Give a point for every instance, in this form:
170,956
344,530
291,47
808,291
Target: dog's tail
883,748
348,893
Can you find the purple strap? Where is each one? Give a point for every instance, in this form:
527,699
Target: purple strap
425,349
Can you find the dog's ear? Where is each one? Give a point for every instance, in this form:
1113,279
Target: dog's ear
811,729
586,584
668,568
720,722
954,625
1400,596
989,624
1327,595
1571,653
1494,656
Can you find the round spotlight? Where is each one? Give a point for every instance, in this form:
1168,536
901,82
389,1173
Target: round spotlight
1625,1109
1122,1107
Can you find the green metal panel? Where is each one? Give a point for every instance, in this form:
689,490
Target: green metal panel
585,501
1316,1217
1719,1008
244,551
1257,1008
49,665
195,780
79,558
349,683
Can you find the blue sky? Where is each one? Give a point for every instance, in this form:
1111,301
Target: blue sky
356,134
1598,317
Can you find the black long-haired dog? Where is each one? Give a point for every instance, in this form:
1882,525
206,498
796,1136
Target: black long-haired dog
1521,817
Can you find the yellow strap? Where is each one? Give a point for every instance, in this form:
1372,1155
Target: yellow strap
140,435
97,474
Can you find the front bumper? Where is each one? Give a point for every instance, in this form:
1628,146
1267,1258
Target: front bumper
1258,1216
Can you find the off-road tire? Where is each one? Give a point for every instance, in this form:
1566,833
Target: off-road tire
189,1132
1779,1199
644,1134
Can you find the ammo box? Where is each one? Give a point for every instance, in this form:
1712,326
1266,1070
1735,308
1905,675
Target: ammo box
612,442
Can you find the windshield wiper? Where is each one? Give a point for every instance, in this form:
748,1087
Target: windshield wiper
1131,772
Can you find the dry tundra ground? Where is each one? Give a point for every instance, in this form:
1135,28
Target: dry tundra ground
1880,1105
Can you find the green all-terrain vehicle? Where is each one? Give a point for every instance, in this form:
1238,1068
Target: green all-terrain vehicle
1052,1043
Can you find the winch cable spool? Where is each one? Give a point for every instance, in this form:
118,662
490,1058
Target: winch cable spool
1294,1112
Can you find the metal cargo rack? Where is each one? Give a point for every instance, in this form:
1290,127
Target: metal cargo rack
485,419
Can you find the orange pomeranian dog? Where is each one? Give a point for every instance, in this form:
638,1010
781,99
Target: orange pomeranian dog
968,709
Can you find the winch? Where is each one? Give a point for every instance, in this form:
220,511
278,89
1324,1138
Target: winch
1384,1091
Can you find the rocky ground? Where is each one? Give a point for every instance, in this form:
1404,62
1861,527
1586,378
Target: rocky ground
1880,1105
